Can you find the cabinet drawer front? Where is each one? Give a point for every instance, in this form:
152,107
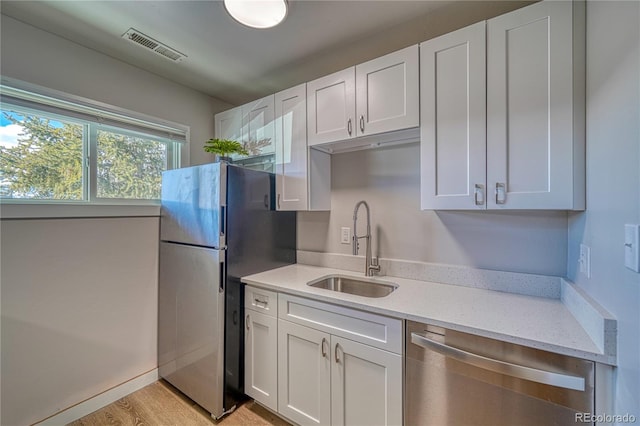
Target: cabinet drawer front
261,300
372,329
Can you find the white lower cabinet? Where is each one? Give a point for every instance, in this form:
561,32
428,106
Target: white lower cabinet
366,385
304,374
328,380
261,347
331,365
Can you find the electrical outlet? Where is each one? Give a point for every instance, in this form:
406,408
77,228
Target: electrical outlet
585,260
345,235
631,249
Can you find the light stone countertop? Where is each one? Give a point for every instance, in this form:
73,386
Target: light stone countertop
537,322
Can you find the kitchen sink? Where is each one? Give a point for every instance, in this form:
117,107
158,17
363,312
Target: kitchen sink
353,285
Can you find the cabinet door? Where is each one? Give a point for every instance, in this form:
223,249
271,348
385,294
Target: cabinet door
452,121
229,124
366,385
530,107
258,136
304,377
291,149
261,358
331,107
387,96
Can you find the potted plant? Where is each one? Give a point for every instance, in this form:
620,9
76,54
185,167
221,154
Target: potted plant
223,147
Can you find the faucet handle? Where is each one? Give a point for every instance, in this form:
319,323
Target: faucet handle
374,266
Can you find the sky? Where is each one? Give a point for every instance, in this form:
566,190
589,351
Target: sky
8,131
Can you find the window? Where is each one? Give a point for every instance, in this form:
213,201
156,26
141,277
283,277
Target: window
53,150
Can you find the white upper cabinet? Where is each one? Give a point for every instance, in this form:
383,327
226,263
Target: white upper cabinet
258,133
535,107
533,157
331,107
229,124
387,96
372,98
250,124
452,116
303,177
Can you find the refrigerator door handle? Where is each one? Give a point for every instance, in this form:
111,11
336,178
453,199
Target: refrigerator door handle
223,221
223,273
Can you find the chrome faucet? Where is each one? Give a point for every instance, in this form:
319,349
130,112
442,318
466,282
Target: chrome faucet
370,264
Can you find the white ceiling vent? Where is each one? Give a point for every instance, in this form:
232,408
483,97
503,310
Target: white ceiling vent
144,40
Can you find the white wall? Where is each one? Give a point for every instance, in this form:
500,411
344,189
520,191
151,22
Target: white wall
79,296
613,181
79,310
35,56
389,180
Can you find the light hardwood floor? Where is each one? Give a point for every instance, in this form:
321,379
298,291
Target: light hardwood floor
160,404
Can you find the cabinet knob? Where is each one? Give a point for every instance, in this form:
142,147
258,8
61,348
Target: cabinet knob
336,356
501,193
324,352
478,194
362,123
349,127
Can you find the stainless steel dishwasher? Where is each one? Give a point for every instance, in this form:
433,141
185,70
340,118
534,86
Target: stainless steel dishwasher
459,379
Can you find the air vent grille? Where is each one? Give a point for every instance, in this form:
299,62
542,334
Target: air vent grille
147,42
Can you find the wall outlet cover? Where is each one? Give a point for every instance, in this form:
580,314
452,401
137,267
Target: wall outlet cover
345,235
585,260
631,248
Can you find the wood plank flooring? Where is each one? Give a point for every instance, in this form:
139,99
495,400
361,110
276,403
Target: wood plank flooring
160,404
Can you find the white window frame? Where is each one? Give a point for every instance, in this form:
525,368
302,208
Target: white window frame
91,205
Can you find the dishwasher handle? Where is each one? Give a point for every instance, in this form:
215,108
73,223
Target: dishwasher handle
506,368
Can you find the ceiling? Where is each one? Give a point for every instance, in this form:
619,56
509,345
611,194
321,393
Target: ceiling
224,59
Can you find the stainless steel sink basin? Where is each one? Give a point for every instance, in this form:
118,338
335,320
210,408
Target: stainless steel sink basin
353,285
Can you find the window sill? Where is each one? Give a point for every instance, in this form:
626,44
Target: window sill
45,211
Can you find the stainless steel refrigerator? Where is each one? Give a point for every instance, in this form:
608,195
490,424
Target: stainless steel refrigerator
218,223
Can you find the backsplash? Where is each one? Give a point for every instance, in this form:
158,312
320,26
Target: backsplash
511,282
388,179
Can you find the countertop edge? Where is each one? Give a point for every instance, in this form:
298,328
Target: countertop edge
600,357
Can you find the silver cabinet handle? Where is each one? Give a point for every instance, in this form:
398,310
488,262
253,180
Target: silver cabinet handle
278,200
349,127
260,302
336,354
501,367
501,193
248,320
478,194
324,352
362,123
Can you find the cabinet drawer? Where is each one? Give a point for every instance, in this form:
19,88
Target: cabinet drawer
261,300
372,329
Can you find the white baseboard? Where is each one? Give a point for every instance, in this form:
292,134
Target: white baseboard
105,398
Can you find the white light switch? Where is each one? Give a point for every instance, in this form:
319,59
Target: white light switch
585,260
345,235
631,252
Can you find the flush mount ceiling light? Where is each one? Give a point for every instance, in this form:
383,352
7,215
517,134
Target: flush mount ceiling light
257,13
